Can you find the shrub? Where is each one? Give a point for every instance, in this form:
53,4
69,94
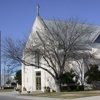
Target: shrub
48,87
53,91
45,87
24,88
72,88
8,87
17,89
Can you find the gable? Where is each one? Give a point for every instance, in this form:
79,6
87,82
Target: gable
97,40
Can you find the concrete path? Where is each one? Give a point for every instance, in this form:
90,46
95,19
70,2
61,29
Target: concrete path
42,98
15,94
88,98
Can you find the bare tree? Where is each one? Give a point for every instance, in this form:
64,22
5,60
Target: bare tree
56,43
82,63
11,49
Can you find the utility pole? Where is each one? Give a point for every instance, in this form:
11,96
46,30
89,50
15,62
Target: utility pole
8,72
0,58
4,72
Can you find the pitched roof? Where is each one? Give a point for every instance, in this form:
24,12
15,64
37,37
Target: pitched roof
93,38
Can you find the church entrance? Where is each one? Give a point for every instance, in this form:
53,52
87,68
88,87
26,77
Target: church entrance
38,80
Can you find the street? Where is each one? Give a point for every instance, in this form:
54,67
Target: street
11,98
16,96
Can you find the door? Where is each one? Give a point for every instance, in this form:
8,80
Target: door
38,80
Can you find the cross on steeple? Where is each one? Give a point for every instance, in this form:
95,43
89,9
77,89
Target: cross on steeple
37,9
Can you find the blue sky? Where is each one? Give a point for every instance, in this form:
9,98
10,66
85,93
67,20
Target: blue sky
17,16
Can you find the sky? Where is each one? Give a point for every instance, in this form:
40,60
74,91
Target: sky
17,16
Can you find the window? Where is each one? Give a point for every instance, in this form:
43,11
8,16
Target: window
37,59
97,39
38,73
38,80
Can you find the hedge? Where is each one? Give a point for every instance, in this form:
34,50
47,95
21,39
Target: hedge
72,88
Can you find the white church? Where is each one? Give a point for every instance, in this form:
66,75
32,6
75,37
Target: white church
34,79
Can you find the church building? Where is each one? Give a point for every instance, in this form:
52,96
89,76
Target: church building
35,79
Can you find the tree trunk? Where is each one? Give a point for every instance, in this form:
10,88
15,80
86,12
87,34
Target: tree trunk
57,83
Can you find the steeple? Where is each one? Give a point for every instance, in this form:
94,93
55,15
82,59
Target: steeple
37,9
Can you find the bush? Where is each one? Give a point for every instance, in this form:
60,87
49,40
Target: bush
8,87
24,88
17,89
53,91
79,87
72,88
68,88
47,89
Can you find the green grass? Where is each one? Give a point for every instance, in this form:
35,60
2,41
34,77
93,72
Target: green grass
67,95
6,90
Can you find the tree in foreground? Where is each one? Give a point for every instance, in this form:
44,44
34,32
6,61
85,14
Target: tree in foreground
57,44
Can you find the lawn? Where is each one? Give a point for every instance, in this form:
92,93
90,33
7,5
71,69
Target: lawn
67,95
6,90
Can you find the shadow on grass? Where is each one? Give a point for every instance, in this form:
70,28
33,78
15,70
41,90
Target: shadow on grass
67,95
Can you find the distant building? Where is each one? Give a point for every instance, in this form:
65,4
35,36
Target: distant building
5,78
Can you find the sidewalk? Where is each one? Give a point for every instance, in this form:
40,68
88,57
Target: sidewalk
88,98
44,98
15,94
40,98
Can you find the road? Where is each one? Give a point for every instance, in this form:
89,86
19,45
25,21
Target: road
16,96
11,98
